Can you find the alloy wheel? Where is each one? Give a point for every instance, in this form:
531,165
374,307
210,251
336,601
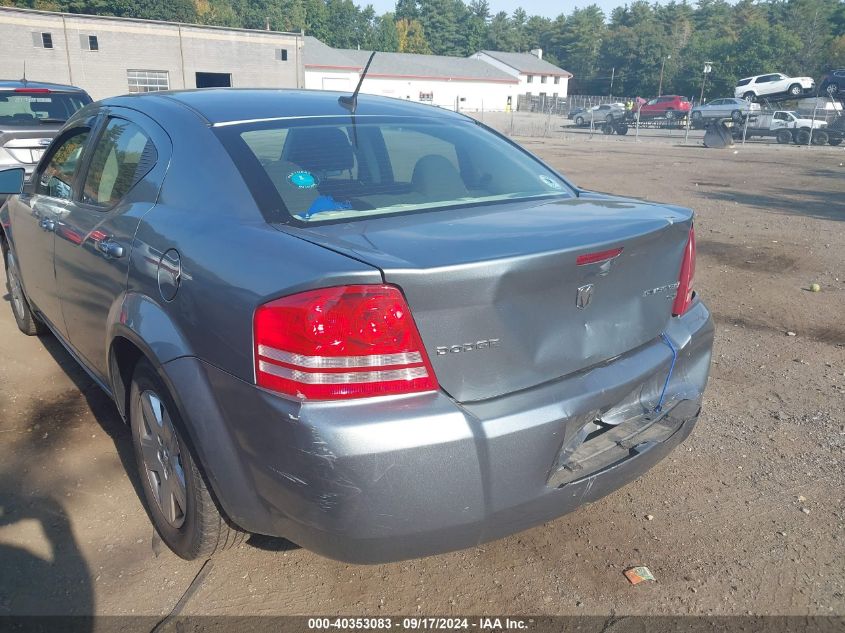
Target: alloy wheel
162,458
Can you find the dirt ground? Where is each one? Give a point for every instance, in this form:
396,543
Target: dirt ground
747,516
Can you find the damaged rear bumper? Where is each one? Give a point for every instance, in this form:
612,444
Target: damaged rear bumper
401,477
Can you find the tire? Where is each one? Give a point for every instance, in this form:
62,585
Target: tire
802,137
736,116
25,319
607,129
820,137
750,96
795,90
670,115
783,137
579,120
832,89
175,493
622,129
834,141
608,118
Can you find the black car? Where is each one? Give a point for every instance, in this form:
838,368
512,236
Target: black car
834,82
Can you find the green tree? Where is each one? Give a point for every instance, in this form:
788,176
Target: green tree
412,37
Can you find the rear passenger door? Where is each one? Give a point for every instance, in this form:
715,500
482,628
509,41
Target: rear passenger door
121,181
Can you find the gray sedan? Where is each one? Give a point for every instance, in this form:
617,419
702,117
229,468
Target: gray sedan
378,329
731,108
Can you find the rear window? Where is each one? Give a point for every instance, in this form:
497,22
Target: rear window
321,169
744,82
32,108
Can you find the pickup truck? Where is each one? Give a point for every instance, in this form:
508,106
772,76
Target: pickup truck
786,126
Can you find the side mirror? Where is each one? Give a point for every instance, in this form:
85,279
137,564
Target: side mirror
11,181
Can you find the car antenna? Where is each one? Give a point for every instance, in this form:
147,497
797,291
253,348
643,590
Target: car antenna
351,102
23,80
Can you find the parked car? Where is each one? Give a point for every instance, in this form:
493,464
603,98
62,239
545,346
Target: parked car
574,112
668,106
787,127
30,114
834,82
380,335
773,84
733,108
599,114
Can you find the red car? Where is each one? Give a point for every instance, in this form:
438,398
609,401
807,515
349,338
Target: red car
669,106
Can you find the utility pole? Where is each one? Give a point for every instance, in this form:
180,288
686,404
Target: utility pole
708,66
612,76
662,66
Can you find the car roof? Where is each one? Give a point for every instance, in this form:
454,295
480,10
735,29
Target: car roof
232,105
12,84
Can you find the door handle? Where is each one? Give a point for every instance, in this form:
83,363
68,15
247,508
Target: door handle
47,224
111,248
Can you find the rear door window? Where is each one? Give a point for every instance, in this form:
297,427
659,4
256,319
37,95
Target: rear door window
123,156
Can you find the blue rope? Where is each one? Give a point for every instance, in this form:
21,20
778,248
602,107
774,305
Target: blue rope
668,342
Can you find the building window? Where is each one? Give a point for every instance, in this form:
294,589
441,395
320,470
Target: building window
543,79
282,54
557,80
531,79
93,44
148,80
426,97
47,40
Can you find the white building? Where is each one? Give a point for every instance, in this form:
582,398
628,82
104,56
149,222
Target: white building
471,84
536,76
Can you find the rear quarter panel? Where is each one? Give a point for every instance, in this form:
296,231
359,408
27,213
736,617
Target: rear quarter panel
231,259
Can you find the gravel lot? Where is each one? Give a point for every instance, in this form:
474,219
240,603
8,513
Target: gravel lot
746,517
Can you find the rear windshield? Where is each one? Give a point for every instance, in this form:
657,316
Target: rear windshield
321,169
32,108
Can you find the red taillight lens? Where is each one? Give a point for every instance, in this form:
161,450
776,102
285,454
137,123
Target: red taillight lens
34,90
340,342
685,290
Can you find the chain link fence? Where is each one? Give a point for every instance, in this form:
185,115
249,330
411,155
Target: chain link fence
811,121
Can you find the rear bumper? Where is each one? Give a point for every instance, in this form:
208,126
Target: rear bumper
402,477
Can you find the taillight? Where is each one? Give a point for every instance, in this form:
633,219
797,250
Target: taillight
34,90
340,342
685,290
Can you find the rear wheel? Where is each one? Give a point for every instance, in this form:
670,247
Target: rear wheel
622,129
670,114
802,137
834,141
749,96
607,128
579,121
795,90
25,319
820,137
736,116
832,89
177,498
784,136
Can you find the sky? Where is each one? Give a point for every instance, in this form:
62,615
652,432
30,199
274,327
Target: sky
548,8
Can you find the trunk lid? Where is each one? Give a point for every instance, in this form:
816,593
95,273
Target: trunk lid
495,291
